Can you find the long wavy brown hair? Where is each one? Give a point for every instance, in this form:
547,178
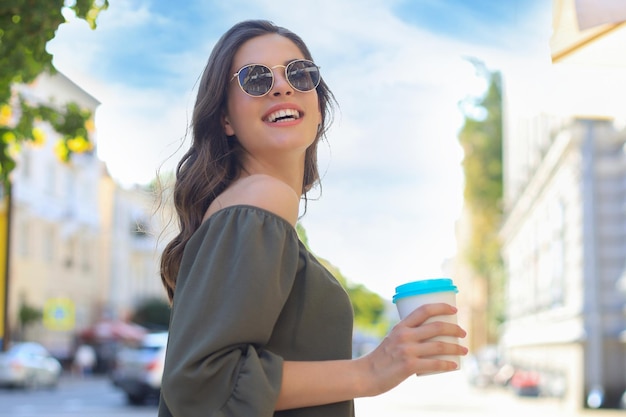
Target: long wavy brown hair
213,159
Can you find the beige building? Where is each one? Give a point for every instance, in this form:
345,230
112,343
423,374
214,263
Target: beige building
82,248
132,241
472,300
564,235
55,264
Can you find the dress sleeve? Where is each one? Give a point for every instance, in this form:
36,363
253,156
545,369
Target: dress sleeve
236,274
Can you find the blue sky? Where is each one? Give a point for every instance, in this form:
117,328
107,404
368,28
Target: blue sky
392,180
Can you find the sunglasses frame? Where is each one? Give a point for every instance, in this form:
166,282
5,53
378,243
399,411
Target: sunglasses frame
271,71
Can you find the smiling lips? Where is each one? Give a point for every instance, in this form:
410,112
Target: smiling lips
283,115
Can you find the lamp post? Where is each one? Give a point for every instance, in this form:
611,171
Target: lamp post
5,244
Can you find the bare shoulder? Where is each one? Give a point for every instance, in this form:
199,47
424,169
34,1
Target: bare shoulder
265,192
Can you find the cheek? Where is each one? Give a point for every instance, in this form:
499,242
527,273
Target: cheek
317,105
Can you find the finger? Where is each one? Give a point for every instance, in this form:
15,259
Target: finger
433,347
438,328
426,311
440,347
432,365
436,357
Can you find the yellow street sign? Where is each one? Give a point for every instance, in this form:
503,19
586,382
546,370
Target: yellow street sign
59,314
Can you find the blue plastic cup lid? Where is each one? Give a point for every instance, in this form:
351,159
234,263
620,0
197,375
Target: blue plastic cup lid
426,286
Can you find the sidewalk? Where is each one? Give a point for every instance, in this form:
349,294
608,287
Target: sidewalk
449,395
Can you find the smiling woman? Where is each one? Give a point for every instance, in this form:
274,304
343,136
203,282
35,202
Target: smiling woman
258,326
398,85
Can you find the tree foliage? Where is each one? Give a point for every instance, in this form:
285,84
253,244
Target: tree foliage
26,27
29,315
481,139
368,307
153,314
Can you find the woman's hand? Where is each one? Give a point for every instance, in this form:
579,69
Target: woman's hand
407,350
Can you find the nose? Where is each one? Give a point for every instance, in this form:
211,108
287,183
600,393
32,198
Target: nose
281,85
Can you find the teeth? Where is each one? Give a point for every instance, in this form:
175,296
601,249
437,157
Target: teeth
290,113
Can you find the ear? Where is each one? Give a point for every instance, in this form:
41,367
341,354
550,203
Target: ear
228,128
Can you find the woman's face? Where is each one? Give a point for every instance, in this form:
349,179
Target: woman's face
253,119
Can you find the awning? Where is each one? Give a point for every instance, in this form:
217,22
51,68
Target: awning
114,330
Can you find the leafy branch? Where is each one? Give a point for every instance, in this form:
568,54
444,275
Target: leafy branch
26,27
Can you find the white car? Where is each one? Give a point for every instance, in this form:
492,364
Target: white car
138,370
29,365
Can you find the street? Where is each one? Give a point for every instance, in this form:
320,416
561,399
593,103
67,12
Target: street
444,395
74,397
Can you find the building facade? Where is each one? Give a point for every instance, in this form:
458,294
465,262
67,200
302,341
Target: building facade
565,249
564,235
133,240
82,248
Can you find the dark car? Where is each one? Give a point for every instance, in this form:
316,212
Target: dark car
138,369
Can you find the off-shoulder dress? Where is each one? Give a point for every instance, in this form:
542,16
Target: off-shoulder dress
249,295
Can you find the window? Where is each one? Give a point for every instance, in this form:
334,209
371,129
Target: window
557,254
23,242
48,243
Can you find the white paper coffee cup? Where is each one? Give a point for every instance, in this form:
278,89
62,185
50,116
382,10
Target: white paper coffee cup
412,295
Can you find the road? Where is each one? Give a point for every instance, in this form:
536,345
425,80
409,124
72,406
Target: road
444,395
74,397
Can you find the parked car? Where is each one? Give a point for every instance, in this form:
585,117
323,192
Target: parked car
526,383
29,365
138,369
483,367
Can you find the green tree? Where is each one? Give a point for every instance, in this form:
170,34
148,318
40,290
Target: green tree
26,27
28,315
153,314
368,307
481,139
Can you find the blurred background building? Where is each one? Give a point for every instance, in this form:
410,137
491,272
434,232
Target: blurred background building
564,234
83,249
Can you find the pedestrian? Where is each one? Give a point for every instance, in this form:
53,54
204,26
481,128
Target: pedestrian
258,326
84,360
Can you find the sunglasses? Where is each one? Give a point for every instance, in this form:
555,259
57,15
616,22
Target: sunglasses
257,80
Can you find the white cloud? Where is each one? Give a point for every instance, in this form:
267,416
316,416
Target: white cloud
392,186
138,131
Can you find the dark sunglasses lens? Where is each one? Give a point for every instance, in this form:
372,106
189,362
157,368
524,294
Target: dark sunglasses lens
256,80
303,75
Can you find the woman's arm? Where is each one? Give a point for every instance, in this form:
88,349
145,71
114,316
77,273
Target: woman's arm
404,352
236,274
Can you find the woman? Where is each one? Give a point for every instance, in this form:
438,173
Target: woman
258,326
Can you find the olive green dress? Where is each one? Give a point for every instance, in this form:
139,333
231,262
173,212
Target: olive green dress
249,296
